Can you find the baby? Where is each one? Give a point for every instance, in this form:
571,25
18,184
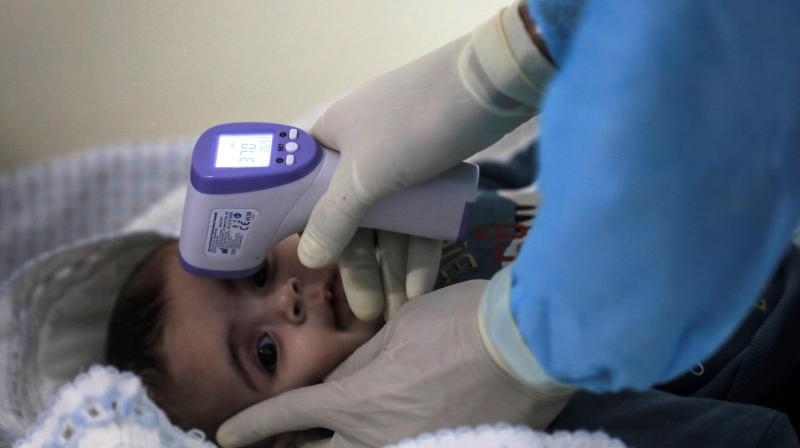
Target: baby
207,348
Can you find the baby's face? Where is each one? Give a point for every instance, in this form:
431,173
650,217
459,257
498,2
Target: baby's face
231,343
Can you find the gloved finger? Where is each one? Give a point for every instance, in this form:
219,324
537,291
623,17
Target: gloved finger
358,266
393,256
422,267
332,223
287,412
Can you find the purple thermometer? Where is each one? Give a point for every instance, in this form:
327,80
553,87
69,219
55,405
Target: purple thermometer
253,184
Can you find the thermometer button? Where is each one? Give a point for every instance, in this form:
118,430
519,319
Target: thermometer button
291,147
292,134
290,160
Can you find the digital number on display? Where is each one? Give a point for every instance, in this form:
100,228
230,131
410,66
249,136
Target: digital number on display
244,151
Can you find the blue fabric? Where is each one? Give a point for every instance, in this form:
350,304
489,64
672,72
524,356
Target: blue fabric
669,161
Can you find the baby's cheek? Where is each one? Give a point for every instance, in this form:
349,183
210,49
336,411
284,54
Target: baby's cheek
311,360
336,351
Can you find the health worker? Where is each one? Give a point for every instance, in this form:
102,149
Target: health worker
669,170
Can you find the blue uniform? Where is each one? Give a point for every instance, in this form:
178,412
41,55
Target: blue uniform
670,175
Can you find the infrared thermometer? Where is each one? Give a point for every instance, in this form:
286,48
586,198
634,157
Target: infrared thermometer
253,184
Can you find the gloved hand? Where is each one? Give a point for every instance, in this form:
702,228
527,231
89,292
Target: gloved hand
430,367
411,124
406,267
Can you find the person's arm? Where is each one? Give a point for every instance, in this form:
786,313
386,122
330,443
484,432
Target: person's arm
669,169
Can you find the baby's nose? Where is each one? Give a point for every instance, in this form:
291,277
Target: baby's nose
290,301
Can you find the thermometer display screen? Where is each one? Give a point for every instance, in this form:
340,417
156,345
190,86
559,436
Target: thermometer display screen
244,151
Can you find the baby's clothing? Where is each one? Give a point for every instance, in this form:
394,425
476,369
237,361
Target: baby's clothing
655,418
106,408
500,220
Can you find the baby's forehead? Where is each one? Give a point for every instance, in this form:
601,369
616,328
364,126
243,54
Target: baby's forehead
166,260
164,254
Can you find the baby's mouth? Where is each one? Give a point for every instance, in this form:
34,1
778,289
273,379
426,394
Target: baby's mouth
341,310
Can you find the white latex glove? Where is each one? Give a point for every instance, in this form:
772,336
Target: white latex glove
405,267
432,366
408,126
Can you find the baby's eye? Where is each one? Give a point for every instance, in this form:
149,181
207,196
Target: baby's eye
267,352
261,276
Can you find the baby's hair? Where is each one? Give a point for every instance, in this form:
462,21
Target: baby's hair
133,340
136,324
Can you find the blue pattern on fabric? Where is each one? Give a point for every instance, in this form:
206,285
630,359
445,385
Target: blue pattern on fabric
104,407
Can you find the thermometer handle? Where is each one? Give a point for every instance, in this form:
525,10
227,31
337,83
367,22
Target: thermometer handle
438,208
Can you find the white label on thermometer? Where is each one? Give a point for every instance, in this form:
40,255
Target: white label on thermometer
227,231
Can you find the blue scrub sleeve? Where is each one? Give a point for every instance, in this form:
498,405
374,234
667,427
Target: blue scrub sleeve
669,161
